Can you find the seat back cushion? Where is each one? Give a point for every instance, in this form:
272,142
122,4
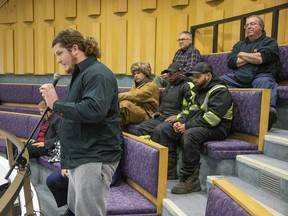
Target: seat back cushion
247,108
220,203
140,164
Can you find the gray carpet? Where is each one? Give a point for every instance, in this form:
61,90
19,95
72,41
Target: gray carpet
193,204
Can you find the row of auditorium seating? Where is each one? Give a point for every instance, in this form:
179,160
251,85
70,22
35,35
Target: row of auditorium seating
144,165
250,110
25,97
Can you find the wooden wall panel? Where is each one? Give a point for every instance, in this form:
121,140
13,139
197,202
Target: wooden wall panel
8,12
29,50
178,23
2,54
179,2
49,10
44,60
49,55
148,4
283,21
71,26
142,46
7,52
93,7
94,30
70,8
120,6
208,32
128,31
148,40
28,11
119,46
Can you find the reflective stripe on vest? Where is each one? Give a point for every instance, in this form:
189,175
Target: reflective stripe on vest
185,103
209,116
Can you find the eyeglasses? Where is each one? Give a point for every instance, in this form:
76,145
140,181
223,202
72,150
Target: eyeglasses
252,24
182,39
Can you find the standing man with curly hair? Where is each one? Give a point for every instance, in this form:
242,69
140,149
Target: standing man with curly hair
90,145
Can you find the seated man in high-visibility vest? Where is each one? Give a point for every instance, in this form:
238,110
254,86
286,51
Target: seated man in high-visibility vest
209,118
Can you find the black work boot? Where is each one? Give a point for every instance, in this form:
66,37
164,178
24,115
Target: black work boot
172,166
273,117
189,183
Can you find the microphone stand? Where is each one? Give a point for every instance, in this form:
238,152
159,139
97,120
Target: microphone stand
21,161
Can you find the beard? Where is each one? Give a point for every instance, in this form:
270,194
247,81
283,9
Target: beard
204,84
70,70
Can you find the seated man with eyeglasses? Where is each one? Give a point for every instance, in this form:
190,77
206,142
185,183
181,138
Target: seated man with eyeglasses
187,56
254,62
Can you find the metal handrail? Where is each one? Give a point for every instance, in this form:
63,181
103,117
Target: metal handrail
215,24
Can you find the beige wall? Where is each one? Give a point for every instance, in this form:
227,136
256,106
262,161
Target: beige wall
128,30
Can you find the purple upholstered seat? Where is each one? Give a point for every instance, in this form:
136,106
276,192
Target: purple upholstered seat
2,145
228,149
124,200
43,161
219,203
282,92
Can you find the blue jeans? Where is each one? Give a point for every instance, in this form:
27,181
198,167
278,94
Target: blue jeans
58,186
263,80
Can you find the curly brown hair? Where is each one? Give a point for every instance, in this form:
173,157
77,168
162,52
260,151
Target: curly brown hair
67,38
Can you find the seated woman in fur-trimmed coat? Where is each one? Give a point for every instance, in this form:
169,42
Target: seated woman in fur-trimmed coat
142,100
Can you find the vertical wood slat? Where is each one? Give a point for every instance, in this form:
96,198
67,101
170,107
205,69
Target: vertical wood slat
178,23
49,10
28,11
70,7
93,7
44,60
50,60
179,3
95,31
119,44
8,12
72,26
41,48
148,4
120,6
148,44
8,52
29,50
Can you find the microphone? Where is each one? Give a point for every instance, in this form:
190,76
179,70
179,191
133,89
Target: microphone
56,78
